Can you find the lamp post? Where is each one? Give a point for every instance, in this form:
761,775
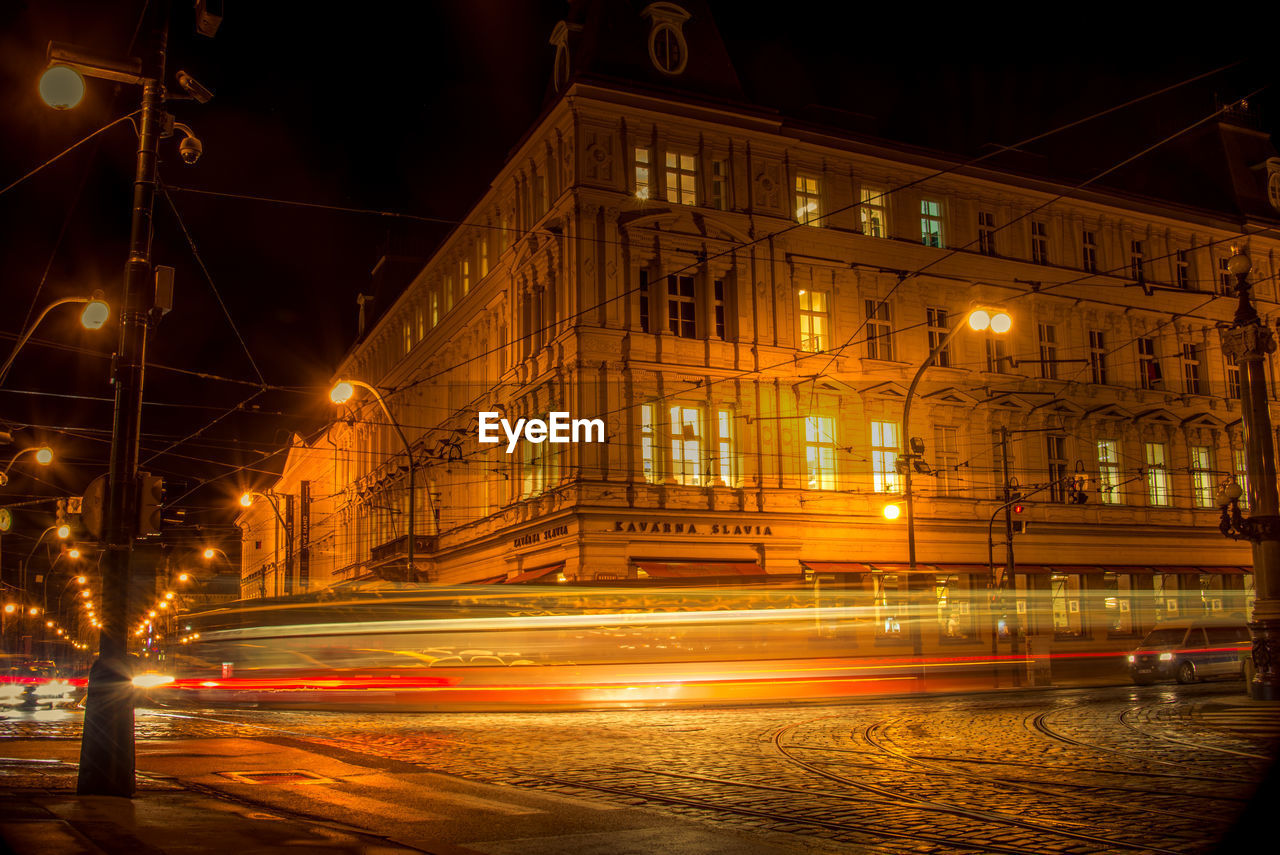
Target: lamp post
342,392
95,314
107,758
43,455
978,320
1249,340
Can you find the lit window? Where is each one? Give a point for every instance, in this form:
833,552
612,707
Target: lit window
955,618
820,452
931,222
808,203
1157,475
879,331
1191,369
408,335
936,325
648,465
1056,455
1233,377
464,268
1064,602
448,293
1240,465
885,447
1048,352
682,178
1039,242
888,602
875,218
813,321
681,307
435,308
483,250
725,459
1117,601
947,459
1182,269
422,322
720,184
1090,244
986,233
686,445
533,468
643,186
1109,471
1226,282
1137,260
1097,357
1149,376
1202,477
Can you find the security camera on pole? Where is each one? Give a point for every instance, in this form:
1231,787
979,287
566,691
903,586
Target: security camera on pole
107,746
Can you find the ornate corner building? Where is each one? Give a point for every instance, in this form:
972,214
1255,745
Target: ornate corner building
743,300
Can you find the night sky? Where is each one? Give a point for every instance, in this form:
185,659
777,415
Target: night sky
412,108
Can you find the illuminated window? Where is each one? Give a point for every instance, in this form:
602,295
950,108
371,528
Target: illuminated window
422,321
947,459
1202,487
886,444
879,331
1039,242
682,178
955,618
686,445
1109,471
1048,351
448,293
1149,376
408,335
648,465
681,307
533,468
1090,244
1097,357
1240,466
986,233
643,185
931,222
874,212
464,269
820,452
1158,494
937,329
1137,260
1064,602
1182,269
1233,377
1056,455
1191,369
808,203
483,252
1117,602
725,461
435,308
720,184
888,602
813,320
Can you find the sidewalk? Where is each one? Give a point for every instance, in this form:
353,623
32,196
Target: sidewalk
184,807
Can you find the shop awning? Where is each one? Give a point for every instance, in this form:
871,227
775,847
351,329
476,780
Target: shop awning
683,570
536,573
837,567
1228,570
966,568
1126,568
1189,570
492,580
921,567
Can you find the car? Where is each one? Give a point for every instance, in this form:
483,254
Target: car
1191,650
29,684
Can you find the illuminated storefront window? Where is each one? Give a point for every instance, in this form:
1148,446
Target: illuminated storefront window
1117,602
1064,601
955,618
888,603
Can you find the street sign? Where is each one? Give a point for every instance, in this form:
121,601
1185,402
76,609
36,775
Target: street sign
74,503
92,504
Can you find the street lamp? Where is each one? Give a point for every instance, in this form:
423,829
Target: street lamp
982,319
1248,340
43,455
341,393
95,314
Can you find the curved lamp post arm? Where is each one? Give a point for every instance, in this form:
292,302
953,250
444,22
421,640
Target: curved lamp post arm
26,336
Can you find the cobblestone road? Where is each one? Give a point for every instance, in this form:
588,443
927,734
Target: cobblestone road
1142,769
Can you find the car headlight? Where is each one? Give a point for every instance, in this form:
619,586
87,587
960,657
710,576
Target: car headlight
150,681
1166,657
1132,658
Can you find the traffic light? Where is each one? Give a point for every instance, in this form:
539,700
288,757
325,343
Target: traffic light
60,522
1018,508
150,497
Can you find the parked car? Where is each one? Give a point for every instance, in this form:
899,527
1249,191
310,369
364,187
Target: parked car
1190,650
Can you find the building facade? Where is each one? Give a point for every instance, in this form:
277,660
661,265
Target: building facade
743,301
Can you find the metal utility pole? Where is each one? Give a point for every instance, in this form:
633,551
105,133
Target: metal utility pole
1249,340
107,746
